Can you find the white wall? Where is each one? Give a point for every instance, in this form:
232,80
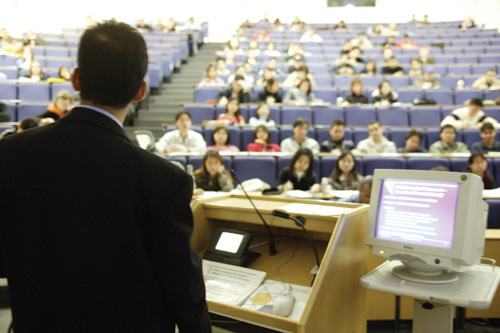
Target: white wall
225,15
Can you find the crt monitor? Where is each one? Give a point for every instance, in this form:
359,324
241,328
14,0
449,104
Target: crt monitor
432,221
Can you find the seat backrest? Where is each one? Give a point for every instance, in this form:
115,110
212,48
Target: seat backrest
359,116
326,115
8,90
493,213
290,113
37,91
30,109
372,163
424,116
393,116
260,167
427,163
199,112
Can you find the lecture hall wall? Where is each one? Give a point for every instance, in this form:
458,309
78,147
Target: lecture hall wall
225,15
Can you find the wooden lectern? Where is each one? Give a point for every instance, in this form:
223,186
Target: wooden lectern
337,301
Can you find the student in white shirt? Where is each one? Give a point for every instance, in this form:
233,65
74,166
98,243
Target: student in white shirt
183,139
377,142
470,116
299,138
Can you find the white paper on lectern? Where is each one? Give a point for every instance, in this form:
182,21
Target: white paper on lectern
262,299
312,209
230,284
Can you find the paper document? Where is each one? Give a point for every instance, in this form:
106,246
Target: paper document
342,193
298,194
230,284
296,208
262,299
491,194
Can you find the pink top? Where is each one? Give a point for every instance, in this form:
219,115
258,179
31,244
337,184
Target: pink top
255,146
207,82
232,120
228,148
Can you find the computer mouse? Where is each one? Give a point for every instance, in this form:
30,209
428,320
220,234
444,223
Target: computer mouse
283,305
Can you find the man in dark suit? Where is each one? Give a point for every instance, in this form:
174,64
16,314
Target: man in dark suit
95,232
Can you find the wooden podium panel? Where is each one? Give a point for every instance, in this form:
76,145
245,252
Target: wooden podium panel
337,301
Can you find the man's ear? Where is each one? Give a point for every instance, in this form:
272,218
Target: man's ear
75,79
142,92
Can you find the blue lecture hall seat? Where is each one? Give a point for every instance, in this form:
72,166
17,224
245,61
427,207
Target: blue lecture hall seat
255,167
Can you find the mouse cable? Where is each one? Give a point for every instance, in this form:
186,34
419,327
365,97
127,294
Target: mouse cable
286,262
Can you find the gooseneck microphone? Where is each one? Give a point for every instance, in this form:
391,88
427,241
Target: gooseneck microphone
272,245
287,216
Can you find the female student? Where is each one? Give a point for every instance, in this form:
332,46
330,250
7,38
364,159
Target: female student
62,105
262,117
35,74
212,80
356,95
233,115
212,176
262,141
384,95
345,176
299,174
220,139
301,95
479,166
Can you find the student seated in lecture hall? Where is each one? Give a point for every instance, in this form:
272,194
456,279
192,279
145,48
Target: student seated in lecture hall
344,175
301,95
365,190
376,143
470,116
337,144
238,90
384,95
355,96
412,143
487,81
270,94
183,139
478,165
447,144
427,81
62,105
35,74
220,140
262,141
232,115
262,117
212,175
299,174
27,123
299,138
211,80
488,143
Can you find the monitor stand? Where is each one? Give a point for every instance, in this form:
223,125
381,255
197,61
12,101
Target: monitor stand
405,272
433,303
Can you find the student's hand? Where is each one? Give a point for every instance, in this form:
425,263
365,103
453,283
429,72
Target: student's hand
316,188
270,100
300,102
262,142
221,168
198,191
356,152
385,103
223,100
45,121
288,186
336,152
466,124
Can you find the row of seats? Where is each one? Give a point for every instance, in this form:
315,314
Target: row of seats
445,96
449,81
420,116
247,167
241,137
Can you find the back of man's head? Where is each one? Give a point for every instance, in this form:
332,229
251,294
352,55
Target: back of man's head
112,60
476,102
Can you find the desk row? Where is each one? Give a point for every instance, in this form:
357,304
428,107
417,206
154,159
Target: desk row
415,116
445,96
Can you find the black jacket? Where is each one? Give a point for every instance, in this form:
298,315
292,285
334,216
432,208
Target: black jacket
95,232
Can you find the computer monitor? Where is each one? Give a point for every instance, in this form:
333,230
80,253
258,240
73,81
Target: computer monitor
432,221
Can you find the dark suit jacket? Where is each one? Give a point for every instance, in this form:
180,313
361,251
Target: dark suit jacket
95,232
